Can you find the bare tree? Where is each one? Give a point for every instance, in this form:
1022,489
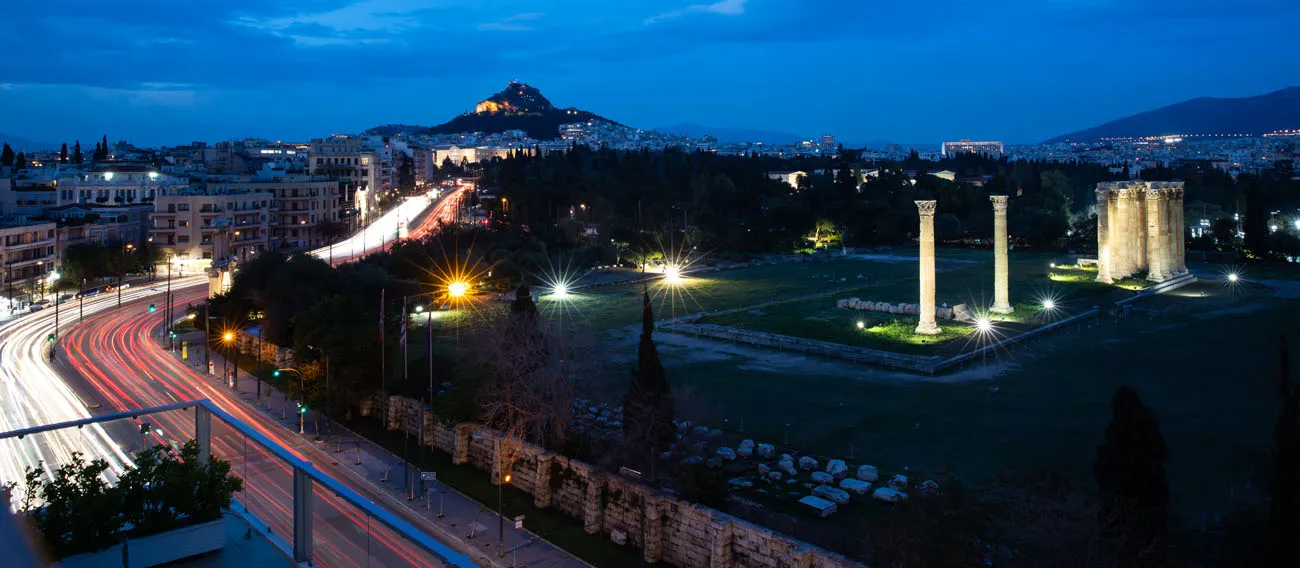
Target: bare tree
531,371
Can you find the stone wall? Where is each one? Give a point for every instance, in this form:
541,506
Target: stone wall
666,528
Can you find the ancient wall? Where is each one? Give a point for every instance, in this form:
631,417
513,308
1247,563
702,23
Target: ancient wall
667,529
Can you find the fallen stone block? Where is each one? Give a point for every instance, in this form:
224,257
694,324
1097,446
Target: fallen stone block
822,478
807,463
766,450
868,473
889,495
774,475
764,469
726,453
786,464
898,482
822,507
929,488
830,493
838,469
855,486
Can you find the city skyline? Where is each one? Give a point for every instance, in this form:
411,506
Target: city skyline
156,73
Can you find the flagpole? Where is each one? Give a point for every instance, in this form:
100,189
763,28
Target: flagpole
406,390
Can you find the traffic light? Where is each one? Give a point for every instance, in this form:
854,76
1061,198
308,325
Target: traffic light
275,373
172,333
302,408
152,308
145,427
50,338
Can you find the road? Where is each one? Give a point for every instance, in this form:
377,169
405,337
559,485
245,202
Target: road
395,225
116,360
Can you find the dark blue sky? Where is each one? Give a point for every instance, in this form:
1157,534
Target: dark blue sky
164,72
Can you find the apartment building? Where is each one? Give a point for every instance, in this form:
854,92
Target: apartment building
302,207
349,160
198,228
117,184
29,259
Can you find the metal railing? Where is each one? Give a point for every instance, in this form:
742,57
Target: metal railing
313,516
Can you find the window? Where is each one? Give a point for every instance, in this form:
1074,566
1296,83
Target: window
183,224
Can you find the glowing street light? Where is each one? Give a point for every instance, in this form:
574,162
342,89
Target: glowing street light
861,324
228,336
984,325
560,290
672,274
1232,277
419,309
1049,305
457,289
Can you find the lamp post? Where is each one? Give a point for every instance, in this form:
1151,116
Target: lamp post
301,408
229,339
501,516
327,385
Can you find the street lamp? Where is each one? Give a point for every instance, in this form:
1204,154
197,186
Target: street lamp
302,408
327,386
229,339
457,289
501,517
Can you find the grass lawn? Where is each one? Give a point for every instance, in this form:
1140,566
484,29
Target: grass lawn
1206,368
615,306
1032,280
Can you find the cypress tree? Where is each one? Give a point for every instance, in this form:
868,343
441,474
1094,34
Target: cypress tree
76,152
20,163
1284,490
1130,472
63,153
7,156
648,408
103,149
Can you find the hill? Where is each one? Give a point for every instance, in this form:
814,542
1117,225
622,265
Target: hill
517,107
1247,115
23,145
732,134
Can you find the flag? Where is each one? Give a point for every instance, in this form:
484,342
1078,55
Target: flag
403,321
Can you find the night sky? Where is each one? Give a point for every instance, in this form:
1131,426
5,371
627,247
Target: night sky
166,72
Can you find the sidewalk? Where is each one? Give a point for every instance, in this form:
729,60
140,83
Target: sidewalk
344,452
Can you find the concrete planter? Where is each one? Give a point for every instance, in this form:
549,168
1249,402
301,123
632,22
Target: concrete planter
157,549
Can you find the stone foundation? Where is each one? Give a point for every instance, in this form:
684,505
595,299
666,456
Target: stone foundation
665,528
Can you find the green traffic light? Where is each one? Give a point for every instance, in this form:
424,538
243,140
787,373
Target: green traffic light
50,338
302,409
152,308
275,373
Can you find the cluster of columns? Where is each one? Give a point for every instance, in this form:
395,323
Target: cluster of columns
1140,228
1001,293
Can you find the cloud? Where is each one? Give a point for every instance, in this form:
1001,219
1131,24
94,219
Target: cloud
724,7
515,23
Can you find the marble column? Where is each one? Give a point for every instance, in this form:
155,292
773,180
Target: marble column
1139,197
1180,251
1155,243
1121,246
927,326
1001,295
1103,236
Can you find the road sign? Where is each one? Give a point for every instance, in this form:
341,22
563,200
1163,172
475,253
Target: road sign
428,476
519,522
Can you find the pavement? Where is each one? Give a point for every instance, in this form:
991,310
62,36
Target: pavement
382,470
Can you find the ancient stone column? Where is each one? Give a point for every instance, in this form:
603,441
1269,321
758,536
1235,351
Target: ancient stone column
927,326
1139,207
1155,241
1180,251
1103,235
1122,231
1001,297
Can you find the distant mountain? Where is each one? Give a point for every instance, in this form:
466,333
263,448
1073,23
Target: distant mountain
517,107
1248,115
23,145
732,134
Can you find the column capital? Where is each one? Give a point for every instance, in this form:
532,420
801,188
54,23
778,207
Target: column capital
926,208
1103,194
999,203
